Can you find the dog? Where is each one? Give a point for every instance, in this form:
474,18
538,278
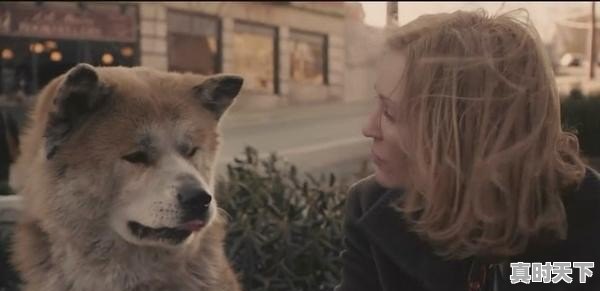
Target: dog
116,171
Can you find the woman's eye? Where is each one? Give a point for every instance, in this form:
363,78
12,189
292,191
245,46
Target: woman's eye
138,157
384,107
387,113
192,152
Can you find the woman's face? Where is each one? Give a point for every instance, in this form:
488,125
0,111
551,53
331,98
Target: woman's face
389,134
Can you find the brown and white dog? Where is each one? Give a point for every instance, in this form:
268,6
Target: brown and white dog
116,175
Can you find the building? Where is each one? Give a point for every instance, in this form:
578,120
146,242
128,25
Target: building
573,33
41,40
364,46
288,52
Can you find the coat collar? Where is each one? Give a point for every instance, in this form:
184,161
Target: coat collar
388,230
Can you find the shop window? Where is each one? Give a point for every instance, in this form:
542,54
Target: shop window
28,64
193,43
308,57
255,55
38,42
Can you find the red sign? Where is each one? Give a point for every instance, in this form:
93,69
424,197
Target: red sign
102,22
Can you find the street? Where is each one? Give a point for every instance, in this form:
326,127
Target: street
318,138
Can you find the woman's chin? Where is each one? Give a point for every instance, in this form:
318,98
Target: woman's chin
382,178
386,179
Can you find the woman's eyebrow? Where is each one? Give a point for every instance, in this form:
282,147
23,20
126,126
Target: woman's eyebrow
384,98
379,95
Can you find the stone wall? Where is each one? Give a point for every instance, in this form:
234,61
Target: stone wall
364,44
153,43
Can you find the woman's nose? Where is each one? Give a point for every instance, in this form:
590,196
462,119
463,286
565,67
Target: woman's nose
372,129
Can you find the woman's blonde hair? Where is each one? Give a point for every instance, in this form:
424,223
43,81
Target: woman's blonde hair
488,159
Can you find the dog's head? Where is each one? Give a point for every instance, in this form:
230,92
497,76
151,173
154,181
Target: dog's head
133,149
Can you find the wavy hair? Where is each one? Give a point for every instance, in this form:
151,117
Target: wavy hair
488,159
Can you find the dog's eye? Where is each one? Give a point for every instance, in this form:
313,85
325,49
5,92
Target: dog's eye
138,157
192,152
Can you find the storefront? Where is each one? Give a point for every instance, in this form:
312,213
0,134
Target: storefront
288,52
41,40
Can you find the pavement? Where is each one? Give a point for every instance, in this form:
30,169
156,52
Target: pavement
318,138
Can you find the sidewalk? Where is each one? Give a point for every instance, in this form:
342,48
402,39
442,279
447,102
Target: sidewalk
578,79
318,137
251,118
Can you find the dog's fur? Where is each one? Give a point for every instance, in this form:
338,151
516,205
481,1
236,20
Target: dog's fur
80,191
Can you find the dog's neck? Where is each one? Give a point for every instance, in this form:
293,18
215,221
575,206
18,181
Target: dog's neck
100,261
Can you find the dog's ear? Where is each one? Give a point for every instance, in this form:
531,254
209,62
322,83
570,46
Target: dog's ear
217,93
80,94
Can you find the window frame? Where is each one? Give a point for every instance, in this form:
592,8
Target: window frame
276,48
324,47
219,34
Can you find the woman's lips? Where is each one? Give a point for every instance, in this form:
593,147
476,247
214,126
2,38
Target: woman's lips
376,159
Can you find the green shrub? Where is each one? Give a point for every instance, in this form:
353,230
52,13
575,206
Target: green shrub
285,232
581,115
9,280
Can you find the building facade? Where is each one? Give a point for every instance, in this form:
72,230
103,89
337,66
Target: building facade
288,52
41,40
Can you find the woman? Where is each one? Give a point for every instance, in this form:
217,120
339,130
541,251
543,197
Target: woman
472,169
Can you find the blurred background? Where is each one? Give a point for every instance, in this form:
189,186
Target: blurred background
309,67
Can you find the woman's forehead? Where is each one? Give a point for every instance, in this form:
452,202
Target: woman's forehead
390,69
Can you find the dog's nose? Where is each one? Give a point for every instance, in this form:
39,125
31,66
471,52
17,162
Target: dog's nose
194,198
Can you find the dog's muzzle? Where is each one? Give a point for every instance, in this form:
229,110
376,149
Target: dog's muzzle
194,203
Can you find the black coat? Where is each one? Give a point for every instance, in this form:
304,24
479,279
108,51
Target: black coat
382,254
